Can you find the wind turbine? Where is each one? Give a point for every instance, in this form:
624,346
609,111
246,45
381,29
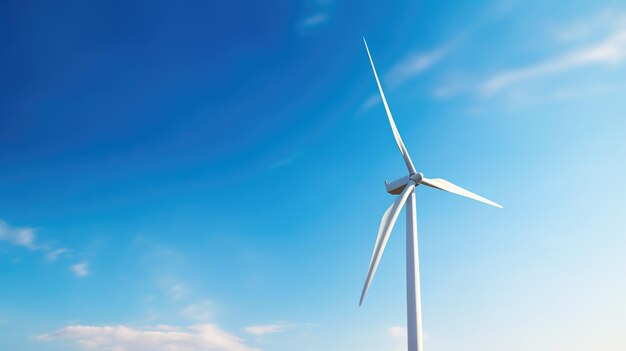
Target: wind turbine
405,189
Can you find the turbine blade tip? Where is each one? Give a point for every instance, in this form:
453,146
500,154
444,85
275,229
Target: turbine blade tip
362,299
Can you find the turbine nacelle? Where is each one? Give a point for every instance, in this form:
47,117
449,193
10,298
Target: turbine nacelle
398,185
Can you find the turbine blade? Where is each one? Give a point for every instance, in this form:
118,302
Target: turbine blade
396,134
386,225
445,185
383,224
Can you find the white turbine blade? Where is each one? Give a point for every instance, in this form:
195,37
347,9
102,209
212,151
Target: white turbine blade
386,225
445,185
381,228
396,134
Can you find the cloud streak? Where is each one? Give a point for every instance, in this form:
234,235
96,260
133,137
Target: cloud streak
315,20
80,269
19,236
26,237
201,311
610,51
281,163
318,15
416,63
201,337
174,289
408,68
263,329
54,254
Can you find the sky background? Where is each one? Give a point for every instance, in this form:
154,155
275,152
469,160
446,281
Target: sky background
210,175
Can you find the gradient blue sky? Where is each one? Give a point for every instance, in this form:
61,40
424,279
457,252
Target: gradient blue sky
209,175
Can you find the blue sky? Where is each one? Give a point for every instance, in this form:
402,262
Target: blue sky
209,176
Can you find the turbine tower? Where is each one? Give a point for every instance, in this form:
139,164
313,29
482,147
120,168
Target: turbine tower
405,189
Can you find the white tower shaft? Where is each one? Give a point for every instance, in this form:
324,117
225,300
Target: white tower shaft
413,297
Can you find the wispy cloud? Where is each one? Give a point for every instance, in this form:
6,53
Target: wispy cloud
586,92
20,236
174,288
416,63
397,338
316,16
201,311
452,84
53,255
407,68
397,332
588,27
281,163
611,51
263,329
80,269
26,237
201,337
370,102
315,20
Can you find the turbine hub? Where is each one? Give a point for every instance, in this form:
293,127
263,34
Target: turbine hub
417,177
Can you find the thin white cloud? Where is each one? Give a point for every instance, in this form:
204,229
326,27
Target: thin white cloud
315,20
80,269
202,311
26,237
201,337
281,163
370,102
415,64
499,9
263,329
20,236
175,290
589,27
397,338
582,92
316,16
408,68
397,332
453,83
610,51
54,254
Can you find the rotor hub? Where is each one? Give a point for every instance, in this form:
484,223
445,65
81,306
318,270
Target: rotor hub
417,177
